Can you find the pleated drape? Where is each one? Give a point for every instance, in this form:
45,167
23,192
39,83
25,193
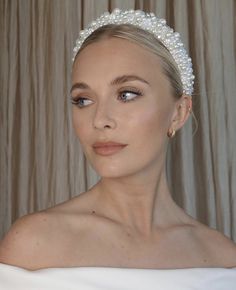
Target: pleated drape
41,161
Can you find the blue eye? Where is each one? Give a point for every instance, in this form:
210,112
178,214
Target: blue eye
81,102
127,96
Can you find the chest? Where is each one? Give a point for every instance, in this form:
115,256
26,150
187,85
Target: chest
122,250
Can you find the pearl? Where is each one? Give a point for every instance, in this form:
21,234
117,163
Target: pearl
156,26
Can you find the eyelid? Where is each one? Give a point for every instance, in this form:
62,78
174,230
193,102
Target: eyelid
135,91
79,94
75,101
131,88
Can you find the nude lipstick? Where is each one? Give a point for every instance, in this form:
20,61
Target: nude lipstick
107,148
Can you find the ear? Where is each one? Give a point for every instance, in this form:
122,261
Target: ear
183,109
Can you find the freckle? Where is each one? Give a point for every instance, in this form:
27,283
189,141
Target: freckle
93,211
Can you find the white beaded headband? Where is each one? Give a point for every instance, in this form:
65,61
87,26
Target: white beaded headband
156,26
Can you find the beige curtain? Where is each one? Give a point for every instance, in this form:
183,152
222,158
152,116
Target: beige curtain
41,162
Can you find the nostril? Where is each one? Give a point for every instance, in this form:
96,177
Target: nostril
102,126
103,118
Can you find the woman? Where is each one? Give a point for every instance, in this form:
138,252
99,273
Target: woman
131,91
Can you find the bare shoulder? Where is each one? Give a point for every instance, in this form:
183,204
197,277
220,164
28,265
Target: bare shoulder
34,240
28,236
219,247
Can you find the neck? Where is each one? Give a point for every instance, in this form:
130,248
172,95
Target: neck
141,203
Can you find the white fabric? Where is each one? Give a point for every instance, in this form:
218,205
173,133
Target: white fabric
106,278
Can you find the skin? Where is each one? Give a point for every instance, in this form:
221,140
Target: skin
128,219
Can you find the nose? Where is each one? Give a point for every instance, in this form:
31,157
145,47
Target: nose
103,117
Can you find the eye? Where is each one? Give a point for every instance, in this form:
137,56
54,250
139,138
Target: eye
81,102
128,95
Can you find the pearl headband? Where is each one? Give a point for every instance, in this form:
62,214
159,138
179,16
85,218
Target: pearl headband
156,26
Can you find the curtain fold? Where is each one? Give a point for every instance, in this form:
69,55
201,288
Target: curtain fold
41,161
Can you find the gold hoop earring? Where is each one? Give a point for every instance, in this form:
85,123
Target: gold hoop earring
171,134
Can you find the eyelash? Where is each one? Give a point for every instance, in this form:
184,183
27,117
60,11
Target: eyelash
137,92
75,101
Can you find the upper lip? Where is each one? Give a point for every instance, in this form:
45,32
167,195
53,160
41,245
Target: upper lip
107,144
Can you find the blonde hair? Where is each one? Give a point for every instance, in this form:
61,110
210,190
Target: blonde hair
146,40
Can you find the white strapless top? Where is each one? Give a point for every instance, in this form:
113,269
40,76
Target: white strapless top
108,278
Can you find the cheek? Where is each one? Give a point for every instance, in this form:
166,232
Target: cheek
152,126
75,120
80,125
148,137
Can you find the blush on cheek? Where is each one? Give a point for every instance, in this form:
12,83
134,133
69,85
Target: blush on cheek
82,135
80,130
78,122
153,127
153,120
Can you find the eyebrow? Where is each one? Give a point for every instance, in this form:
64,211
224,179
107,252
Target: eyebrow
116,81
127,78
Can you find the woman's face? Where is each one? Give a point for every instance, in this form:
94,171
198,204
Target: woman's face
122,96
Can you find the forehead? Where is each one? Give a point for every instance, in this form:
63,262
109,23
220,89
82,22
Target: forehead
108,58
101,62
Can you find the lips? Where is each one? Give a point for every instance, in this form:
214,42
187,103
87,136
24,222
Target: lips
107,148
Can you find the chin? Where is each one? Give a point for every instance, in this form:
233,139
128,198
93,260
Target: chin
121,166
109,171
119,169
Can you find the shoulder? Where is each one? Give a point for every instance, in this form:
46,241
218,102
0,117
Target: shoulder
218,247
27,239
34,240
207,244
